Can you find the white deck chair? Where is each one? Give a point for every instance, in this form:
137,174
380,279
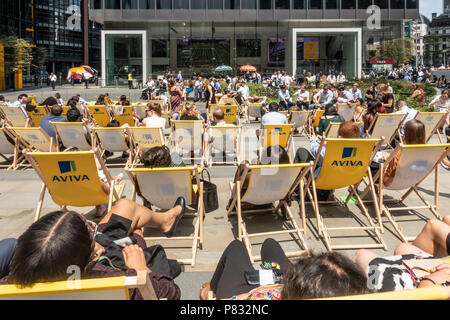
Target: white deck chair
223,140
72,135
432,121
114,288
144,138
111,139
346,111
161,187
300,121
36,138
386,125
15,117
415,164
333,129
187,137
140,110
266,185
254,110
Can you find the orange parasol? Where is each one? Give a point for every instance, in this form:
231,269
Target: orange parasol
247,67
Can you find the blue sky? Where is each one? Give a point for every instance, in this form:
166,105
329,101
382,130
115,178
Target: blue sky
427,7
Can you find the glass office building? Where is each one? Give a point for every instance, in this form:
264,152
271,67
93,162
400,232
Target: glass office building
148,37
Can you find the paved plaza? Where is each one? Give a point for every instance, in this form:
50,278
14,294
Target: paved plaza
19,193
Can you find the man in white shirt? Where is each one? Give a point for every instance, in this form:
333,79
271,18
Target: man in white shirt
402,107
344,96
273,116
284,98
341,78
355,92
302,98
21,102
198,87
322,98
331,79
222,147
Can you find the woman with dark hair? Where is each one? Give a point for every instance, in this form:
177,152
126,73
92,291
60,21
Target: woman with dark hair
50,101
62,239
330,115
209,94
175,96
312,276
101,100
372,109
160,157
387,98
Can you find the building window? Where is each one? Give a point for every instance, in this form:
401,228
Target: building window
299,4
265,4
331,4
215,4
282,4
198,4
348,4
160,48
383,4
180,4
248,4
364,4
129,4
164,4
315,4
96,4
112,4
276,52
147,4
232,4
397,4
248,48
412,4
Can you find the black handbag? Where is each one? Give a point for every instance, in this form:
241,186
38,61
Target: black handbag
210,196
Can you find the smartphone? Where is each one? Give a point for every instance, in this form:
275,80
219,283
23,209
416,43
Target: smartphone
262,277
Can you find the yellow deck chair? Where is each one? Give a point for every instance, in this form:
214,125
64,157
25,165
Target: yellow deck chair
426,293
111,139
36,115
254,110
345,164
161,187
346,111
230,114
281,135
432,121
266,185
8,148
33,100
126,117
386,125
37,139
115,288
72,135
64,111
415,164
15,117
313,125
225,139
228,100
72,179
187,137
100,115
300,121
144,138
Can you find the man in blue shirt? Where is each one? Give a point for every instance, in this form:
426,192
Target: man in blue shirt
322,98
284,98
54,116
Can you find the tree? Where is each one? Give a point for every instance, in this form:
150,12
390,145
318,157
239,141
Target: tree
432,52
400,50
18,53
40,59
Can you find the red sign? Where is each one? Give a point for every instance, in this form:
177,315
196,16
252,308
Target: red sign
382,62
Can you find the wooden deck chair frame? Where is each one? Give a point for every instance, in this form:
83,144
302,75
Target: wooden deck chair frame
102,145
136,148
434,127
86,146
49,146
36,115
383,203
209,145
290,148
114,288
175,144
18,159
15,117
115,190
100,119
252,113
197,237
388,140
302,127
374,227
290,224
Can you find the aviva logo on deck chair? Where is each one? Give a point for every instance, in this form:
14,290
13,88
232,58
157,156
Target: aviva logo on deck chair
67,167
348,153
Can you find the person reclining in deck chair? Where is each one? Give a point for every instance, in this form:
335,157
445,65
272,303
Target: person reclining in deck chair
54,116
271,155
320,275
389,273
228,144
347,130
76,241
